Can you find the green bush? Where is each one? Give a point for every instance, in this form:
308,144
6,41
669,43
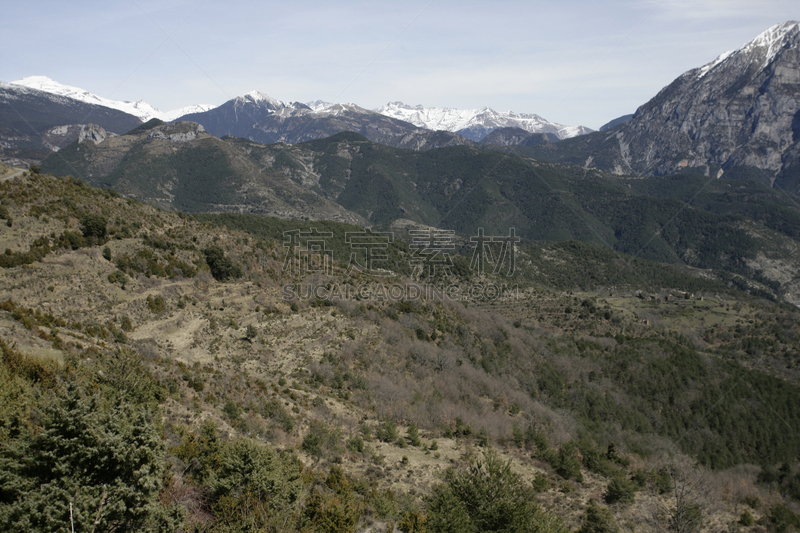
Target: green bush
107,461
253,487
232,410
663,480
118,276
119,336
355,444
338,512
782,519
487,497
517,436
640,477
156,305
94,225
541,483
387,432
598,519
567,464
222,267
482,437
620,490
413,435
320,439
413,522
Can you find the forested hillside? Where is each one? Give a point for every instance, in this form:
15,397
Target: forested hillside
170,373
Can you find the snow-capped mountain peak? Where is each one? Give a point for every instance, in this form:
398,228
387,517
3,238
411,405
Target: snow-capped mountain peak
769,43
476,123
772,40
140,109
43,83
169,116
259,97
319,105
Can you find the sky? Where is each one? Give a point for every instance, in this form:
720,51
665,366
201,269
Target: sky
569,61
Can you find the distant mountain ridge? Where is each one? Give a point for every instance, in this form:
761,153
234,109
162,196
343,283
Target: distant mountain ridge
616,122
35,123
258,117
475,124
273,120
517,137
140,109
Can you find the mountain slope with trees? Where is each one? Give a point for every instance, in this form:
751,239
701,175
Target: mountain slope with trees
224,403
744,228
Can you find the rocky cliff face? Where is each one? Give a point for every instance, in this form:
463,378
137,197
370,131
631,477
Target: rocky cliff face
93,133
738,115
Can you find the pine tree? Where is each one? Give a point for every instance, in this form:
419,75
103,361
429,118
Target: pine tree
487,497
413,435
598,519
105,460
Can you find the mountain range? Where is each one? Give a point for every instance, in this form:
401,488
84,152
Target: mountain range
737,116
476,124
259,118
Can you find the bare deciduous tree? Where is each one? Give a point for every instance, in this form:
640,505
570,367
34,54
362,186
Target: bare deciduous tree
689,500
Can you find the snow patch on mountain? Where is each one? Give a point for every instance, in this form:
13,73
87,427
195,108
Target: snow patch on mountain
481,121
338,109
706,68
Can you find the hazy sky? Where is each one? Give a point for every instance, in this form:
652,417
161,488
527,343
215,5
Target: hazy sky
570,61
